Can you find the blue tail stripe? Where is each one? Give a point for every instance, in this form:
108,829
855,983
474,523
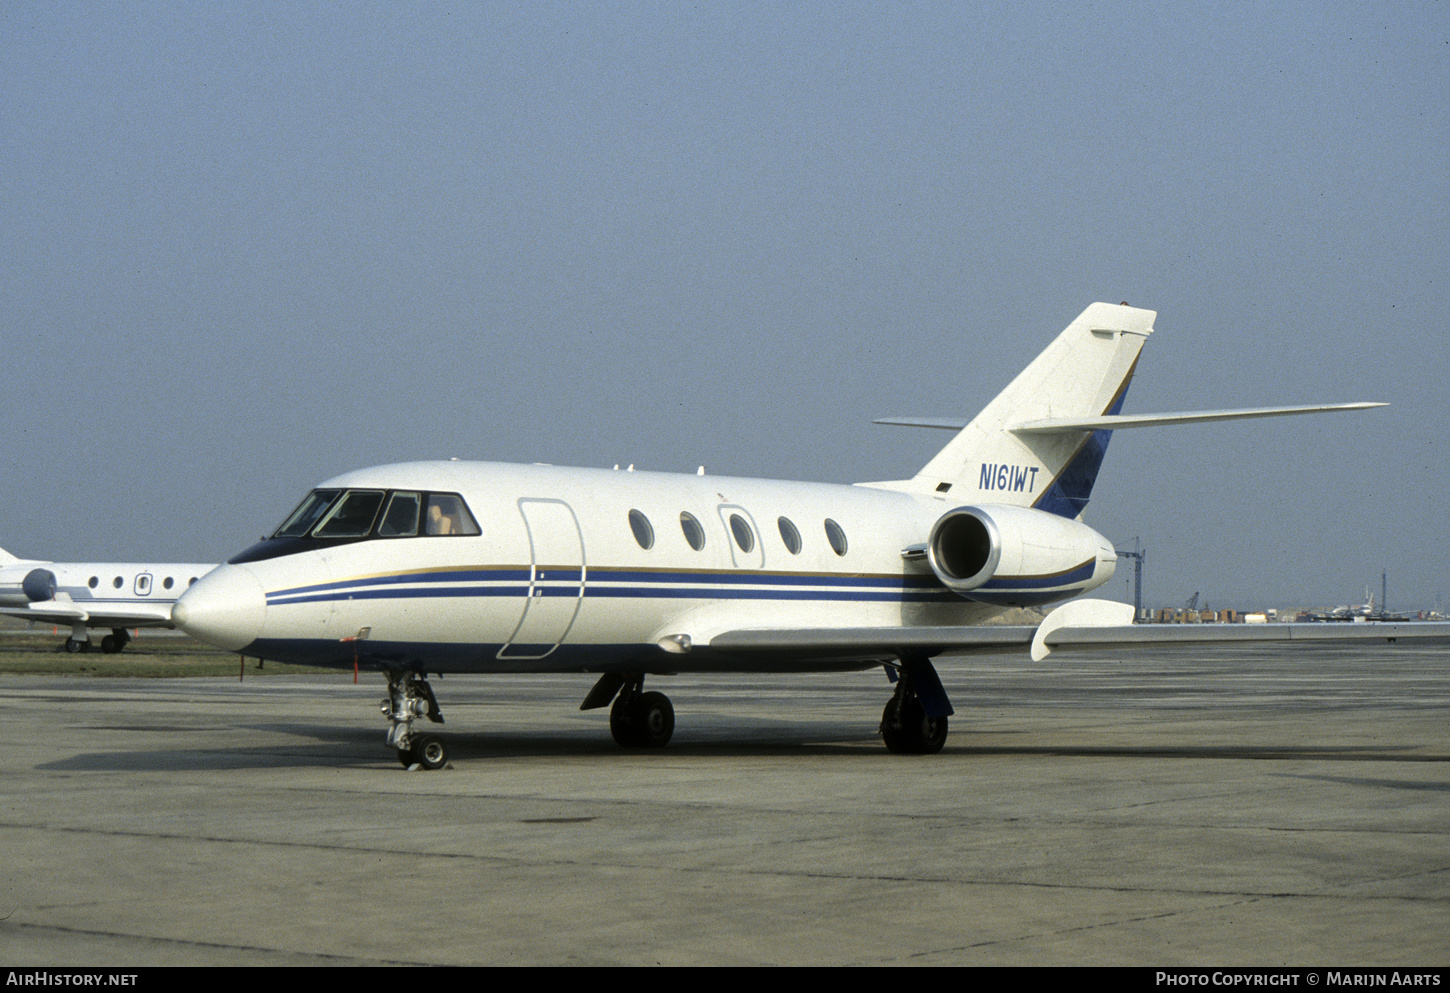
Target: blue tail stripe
1068,495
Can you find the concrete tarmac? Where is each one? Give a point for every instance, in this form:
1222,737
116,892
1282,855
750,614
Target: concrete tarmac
1274,806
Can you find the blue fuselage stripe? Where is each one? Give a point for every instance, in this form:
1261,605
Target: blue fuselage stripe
636,584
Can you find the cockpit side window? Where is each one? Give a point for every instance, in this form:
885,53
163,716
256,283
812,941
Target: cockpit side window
306,514
353,515
401,518
446,514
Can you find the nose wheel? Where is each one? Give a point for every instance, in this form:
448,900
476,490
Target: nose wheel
427,750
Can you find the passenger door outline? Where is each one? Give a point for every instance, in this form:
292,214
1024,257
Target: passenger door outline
557,573
753,559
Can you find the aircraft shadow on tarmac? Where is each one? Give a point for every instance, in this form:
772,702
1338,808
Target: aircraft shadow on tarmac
1389,784
323,747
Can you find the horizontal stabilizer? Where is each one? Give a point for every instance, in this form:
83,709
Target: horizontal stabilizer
1056,425
1109,422
945,423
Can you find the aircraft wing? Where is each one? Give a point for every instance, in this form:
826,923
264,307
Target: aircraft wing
1082,625
1130,635
101,615
1105,625
874,642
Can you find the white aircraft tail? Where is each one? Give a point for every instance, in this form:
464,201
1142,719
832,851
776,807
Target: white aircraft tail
1041,442
1083,374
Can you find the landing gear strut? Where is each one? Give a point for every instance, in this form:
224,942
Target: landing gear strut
79,640
915,719
410,697
118,639
637,719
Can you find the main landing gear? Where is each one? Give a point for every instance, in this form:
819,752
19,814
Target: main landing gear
913,723
637,719
80,640
915,719
410,697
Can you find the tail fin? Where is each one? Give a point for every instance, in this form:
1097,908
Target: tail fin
1084,373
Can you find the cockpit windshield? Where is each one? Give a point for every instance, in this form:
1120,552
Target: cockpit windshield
353,514
402,516
308,511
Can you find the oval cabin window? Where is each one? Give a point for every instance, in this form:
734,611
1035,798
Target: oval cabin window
694,533
644,532
790,535
744,537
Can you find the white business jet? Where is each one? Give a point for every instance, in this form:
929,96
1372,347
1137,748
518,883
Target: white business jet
477,567
84,595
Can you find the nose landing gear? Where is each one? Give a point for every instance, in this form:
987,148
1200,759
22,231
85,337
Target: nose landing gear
410,697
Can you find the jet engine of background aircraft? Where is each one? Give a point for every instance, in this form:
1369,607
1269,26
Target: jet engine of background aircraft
38,585
970,546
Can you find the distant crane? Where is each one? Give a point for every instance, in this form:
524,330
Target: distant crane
1138,556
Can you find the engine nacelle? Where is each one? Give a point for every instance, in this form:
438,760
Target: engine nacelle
39,585
1017,556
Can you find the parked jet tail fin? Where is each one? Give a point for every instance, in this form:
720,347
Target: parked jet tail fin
1041,441
1083,373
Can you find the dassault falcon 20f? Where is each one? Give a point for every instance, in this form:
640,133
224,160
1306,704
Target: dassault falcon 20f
476,567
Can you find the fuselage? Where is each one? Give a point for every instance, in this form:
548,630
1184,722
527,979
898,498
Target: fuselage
563,569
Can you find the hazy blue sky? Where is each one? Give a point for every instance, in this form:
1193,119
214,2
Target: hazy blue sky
248,246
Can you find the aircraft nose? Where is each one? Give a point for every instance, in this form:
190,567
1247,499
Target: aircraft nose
224,608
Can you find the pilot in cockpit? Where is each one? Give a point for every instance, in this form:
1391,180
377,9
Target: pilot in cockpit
439,522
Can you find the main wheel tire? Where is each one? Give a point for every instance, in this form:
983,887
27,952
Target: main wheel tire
909,731
643,721
655,721
430,752
623,722
406,756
